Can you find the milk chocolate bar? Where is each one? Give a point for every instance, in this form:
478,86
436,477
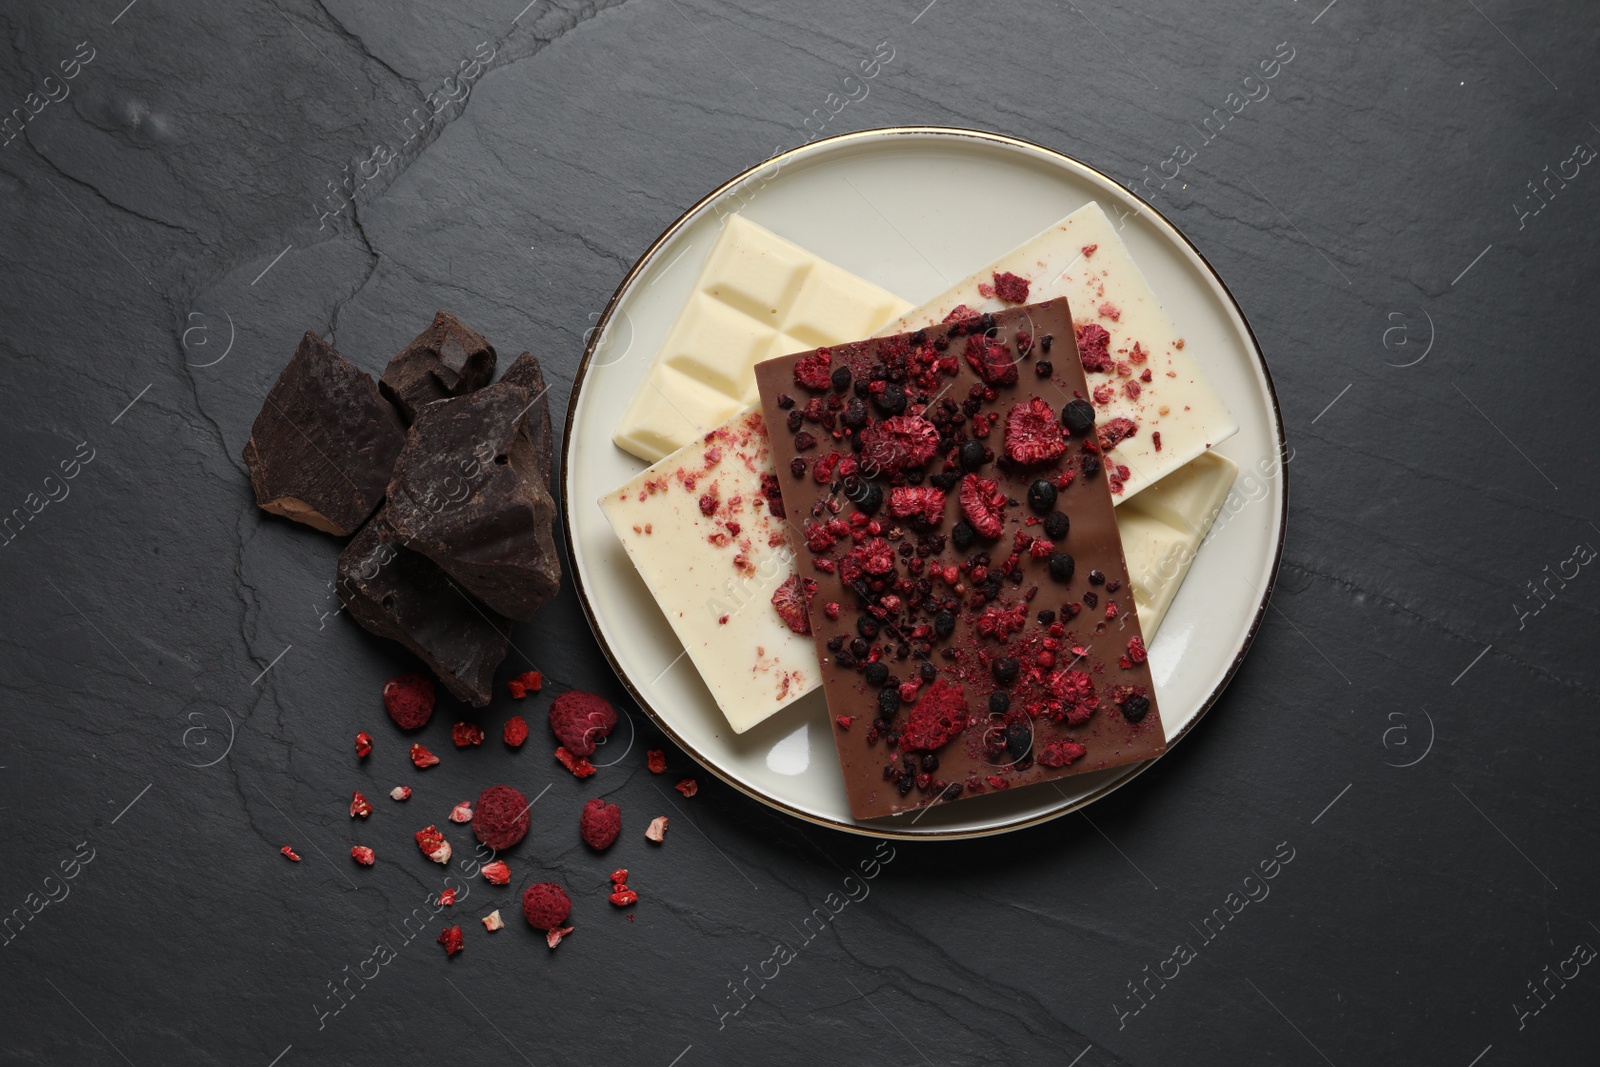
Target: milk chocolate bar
949,499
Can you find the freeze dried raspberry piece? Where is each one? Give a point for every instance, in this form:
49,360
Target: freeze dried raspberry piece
400,792
1032,433
359,806
656,760
421,757
1136,654
409,700
451,939
579,719
923,504
936,719
496,873
502,817
492,921
525,683
363,855
991,359
981,501
546,906
1060,753
1011,288
688,787
580,767
447,897
516,731
432,844
900,442
1114,432
363,745
466,733
600,824
1093,342
622,896
657,830
288,850
791,603
462,812
812,371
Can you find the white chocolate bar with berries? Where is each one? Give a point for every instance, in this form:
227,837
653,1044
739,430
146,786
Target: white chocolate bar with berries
757,297
1150,396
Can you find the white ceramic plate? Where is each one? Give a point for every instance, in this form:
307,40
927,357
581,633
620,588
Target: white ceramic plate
914,209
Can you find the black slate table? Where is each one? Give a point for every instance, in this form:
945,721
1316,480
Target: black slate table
1408,220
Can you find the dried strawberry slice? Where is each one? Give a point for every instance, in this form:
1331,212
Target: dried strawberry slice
981,501
922,503
656,832
937,719
421,757
899,442
451,939
623,896
525,683
359,806
1032,433
1093,341
432,844
791,604
496,873
580,767
812,371
363,745
991,359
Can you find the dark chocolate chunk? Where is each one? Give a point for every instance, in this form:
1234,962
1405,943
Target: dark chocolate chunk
447,359
526,372
322,448
402,595
469,493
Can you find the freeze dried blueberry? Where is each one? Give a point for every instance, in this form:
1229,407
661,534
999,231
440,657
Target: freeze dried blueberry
1044,368
962,535
859,648
804,440
944,623
906,782
990,587
999,702
928,671
1046,341
1096,578
1005,670
888,701
892,401
944,480
1078,415
1019,739
793,419
930,762
972,455
877,674
855,414
1091,599
797,467
1136,708
1062,566
1042,496
1090,465
867,626
840,378
1056,525
835,643
845,660
1046,617
869,499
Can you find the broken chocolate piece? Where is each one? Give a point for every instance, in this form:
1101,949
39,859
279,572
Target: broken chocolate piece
402,595
469,493
526,372
322,448
447,359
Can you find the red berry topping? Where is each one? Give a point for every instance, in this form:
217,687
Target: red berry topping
981,501
812,371
922,503
791,605
546,906
421,757
451,939
525,683
898,443
363,745
600,824
500,818
991,359
1032,433
516,731
937,719
409,700
1011,288
1060,753
1092,347
578,719
466,733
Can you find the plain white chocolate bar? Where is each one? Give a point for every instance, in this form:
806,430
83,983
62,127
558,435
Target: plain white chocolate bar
1163,528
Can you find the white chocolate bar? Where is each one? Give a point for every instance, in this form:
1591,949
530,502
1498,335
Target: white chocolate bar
1082,258
1163,528
758,297
705,541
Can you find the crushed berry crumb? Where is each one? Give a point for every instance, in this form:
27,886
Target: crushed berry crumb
432,844
688,787
525,683
496,873
363,745
462,812
578,765
451,939
466,733
400,792
359,806
363,855
421,757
